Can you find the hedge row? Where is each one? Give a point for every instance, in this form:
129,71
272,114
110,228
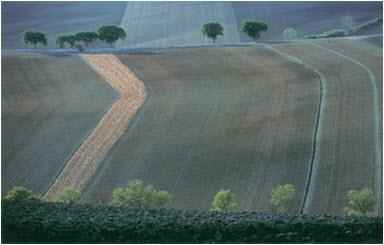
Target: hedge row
38,222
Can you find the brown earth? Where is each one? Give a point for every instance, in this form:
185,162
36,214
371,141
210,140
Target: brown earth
50,104
238,118
92,151
347,153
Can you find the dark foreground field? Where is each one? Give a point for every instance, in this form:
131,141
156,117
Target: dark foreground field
49,106
62,223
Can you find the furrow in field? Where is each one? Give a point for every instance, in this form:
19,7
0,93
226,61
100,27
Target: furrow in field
347,153
370,59
87,158
313,167
238,118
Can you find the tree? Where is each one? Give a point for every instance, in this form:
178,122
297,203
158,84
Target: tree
139,195
20,193
110,34
34,37
289,34
68,195
212,30
346,23
360,202
86,36
253,28
281,195
62,39
224,201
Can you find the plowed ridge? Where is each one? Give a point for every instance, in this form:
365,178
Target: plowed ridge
238,118
90,154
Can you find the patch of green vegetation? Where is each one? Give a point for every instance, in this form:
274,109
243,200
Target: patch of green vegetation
368,24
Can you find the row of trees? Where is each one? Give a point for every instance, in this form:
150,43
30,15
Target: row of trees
108,34
252,28
138,195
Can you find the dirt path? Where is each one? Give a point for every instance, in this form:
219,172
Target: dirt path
85,161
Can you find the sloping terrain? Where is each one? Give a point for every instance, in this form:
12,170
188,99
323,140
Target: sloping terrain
49,106
349,153
87,158
167,24
239,118
55,18
306,17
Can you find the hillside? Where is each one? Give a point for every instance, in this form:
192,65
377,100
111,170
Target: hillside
49,106
239,118
167,24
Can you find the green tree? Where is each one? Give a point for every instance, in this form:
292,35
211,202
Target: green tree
139,195
86,36
110,34
360,202
34,37
289,34
224,201
20,193
253,28
212,30
68,195
61,40
281,195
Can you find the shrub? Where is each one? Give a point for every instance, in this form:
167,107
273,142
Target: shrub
20,193
289,34
138,195
346,23
224,201
360,202
281,195
68,195
368,24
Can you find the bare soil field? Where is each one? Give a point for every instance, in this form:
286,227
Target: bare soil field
239,118
85,161
50,104
349,154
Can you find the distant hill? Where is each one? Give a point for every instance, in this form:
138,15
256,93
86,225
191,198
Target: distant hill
164,24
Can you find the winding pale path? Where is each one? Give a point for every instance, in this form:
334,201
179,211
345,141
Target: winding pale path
87,158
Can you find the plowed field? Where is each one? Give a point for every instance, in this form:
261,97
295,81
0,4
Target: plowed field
49,106
349,155
239,118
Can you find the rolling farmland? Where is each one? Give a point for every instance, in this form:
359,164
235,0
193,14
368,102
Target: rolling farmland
349,154
49,106
239,118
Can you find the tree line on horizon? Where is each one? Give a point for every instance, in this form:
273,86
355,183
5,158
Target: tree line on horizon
111,33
